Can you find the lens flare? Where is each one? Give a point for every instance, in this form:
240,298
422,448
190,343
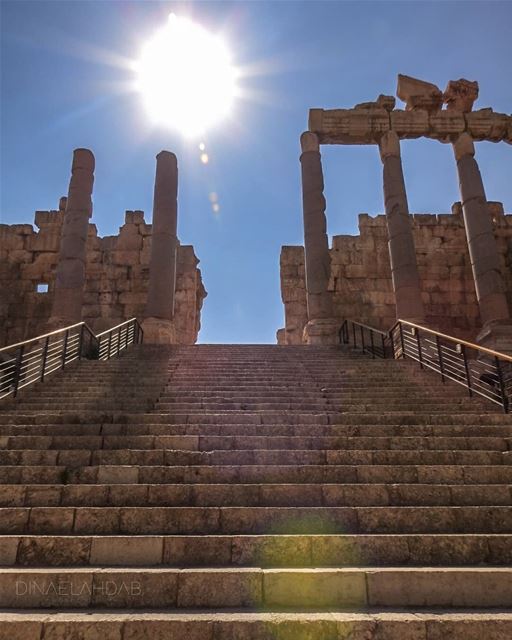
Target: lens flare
185,77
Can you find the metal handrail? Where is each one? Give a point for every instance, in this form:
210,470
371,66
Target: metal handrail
31,361
482,371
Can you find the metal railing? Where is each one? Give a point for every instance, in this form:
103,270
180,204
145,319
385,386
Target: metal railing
368,339
31,361
113,341
483,372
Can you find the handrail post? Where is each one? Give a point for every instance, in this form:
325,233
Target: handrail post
402,342
17,370
418,342
354,334
373,348
80,342
383,340
440,357
65,348
504,398
45,355
362,338
127,334
466,369
118,342
109,344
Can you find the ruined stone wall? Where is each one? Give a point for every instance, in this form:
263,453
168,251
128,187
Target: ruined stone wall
117,277
361,274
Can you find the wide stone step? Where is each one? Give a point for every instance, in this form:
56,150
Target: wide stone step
259,430
246,442
254,520
215,625
258,474
190,588
285,495
258,550
171,457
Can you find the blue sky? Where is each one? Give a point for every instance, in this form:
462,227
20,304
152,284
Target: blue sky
62,88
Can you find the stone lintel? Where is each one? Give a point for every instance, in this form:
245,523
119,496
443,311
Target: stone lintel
367,126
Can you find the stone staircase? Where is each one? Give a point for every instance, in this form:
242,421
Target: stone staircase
261,492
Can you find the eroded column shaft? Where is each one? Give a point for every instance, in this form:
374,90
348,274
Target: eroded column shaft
402,252
483,250
162,266
316,245
70,272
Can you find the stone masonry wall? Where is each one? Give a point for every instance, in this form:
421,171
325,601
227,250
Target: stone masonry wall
117,277
361,274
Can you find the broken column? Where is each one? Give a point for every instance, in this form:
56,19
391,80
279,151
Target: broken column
496,331
70,272
158,326
402,252
321,328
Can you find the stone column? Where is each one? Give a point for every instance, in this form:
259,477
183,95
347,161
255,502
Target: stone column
402,253
158,326
321,327
70,272
496,332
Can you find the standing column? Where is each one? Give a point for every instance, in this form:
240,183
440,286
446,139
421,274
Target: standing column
483,252
402,252
321,327
70,272
158,326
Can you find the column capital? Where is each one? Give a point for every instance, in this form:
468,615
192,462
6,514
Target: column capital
389,145
309,142
463,146
83,159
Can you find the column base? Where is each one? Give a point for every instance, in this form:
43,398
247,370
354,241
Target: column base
497,337
322,331
158,331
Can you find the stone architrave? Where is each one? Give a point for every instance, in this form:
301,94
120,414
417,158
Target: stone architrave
402,252
158,326
321,327
70,272
494,313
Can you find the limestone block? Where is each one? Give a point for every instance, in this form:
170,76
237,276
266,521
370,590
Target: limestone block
20,256
129,238
132,298
445,125
349,126
9,240
22,229
46,218
418,94
125,257
108,243
291,255
48,239
460,95
134,217
410,124
145,229
484,124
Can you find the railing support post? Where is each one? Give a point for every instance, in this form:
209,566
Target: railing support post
372,345
420,354
354,334
383,340
109,345
81,342
65,348
466,369
362,338
45,355
440,357
17,370
503,392
402,342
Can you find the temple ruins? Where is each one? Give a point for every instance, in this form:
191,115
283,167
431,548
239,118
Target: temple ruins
63,272
451,271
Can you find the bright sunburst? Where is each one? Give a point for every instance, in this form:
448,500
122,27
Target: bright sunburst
186,77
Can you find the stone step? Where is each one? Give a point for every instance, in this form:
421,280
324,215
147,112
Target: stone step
192,588
415,624
260,550
246,442
285,495
257,457
289,418
258,430
258,474
254,520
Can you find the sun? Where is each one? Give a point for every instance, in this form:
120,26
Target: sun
185,77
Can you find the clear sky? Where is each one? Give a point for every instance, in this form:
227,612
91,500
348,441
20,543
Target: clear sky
63,85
